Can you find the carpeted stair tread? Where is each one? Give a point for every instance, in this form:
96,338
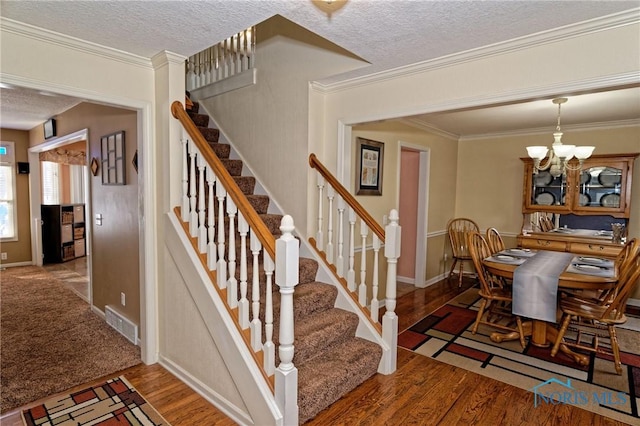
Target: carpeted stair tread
234,167
325,379
200,120
307,268
260,203
195,107
316,333
246,183
210,135
222,150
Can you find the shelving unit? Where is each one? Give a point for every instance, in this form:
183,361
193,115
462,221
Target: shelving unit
63,232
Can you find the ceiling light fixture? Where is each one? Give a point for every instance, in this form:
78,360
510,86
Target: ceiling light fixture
560,154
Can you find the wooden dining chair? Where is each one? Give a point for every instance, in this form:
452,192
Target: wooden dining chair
458,229
599,318
494,240
495,308
625,256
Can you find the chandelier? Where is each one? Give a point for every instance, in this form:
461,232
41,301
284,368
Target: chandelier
560,154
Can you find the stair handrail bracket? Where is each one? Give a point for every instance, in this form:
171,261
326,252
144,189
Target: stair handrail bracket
339,253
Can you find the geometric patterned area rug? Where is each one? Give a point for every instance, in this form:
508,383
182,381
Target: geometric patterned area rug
112,403
445,335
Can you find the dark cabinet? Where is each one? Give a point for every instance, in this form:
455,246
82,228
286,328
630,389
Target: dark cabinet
63,232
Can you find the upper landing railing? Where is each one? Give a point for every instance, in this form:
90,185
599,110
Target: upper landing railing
225,59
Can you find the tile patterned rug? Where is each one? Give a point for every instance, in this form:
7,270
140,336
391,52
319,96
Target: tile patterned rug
446,335
114,402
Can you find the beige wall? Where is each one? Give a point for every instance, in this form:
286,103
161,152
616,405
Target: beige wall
19,251
114,249
443,154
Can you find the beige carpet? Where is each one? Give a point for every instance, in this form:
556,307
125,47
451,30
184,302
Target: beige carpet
51,340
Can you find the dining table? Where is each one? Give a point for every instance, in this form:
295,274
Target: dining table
542,330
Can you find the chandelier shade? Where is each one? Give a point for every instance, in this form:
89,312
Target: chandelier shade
559,154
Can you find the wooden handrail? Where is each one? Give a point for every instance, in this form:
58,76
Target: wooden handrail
346,196
255,222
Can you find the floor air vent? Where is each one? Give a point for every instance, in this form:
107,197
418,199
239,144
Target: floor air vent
121,324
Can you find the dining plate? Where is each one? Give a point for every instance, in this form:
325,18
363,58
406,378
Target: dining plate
542,179
545,198
586,267
505,257
585,177
584,199
518,250
610,200
594,260
609,177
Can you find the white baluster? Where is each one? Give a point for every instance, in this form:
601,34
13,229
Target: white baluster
193,217
255,246
320,233
340,260
202,230
329,250
191,75
184,208
286,377
221,273
362,289
351,273
269,347
211,221
232,283
256,325
375,307
390,319
243,304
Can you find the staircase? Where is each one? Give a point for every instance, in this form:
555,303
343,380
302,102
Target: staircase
330,359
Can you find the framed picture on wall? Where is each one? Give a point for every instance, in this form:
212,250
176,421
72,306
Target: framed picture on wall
369,166
49,128
112,157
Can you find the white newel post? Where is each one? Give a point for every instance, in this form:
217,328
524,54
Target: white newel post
286,377
390,319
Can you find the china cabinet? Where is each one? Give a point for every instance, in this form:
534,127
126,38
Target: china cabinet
601,187
593,197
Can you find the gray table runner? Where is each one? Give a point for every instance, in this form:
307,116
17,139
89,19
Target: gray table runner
535,285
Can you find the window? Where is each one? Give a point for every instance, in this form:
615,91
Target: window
50,182
8,214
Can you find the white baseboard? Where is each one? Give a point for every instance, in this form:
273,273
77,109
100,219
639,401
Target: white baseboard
405,280
13,265
221,403
633,302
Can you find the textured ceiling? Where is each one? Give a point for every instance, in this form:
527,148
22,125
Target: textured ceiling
386,33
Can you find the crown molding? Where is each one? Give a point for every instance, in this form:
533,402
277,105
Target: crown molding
604,125
628,17
51,37
423,125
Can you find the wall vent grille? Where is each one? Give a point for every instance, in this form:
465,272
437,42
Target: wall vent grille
121,324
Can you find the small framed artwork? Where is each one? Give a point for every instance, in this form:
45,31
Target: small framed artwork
94,166
369,167
49,127
112,151
135,161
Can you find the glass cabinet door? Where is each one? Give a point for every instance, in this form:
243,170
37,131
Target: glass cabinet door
545,192
601,187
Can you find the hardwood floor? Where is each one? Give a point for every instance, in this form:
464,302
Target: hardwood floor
421,392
